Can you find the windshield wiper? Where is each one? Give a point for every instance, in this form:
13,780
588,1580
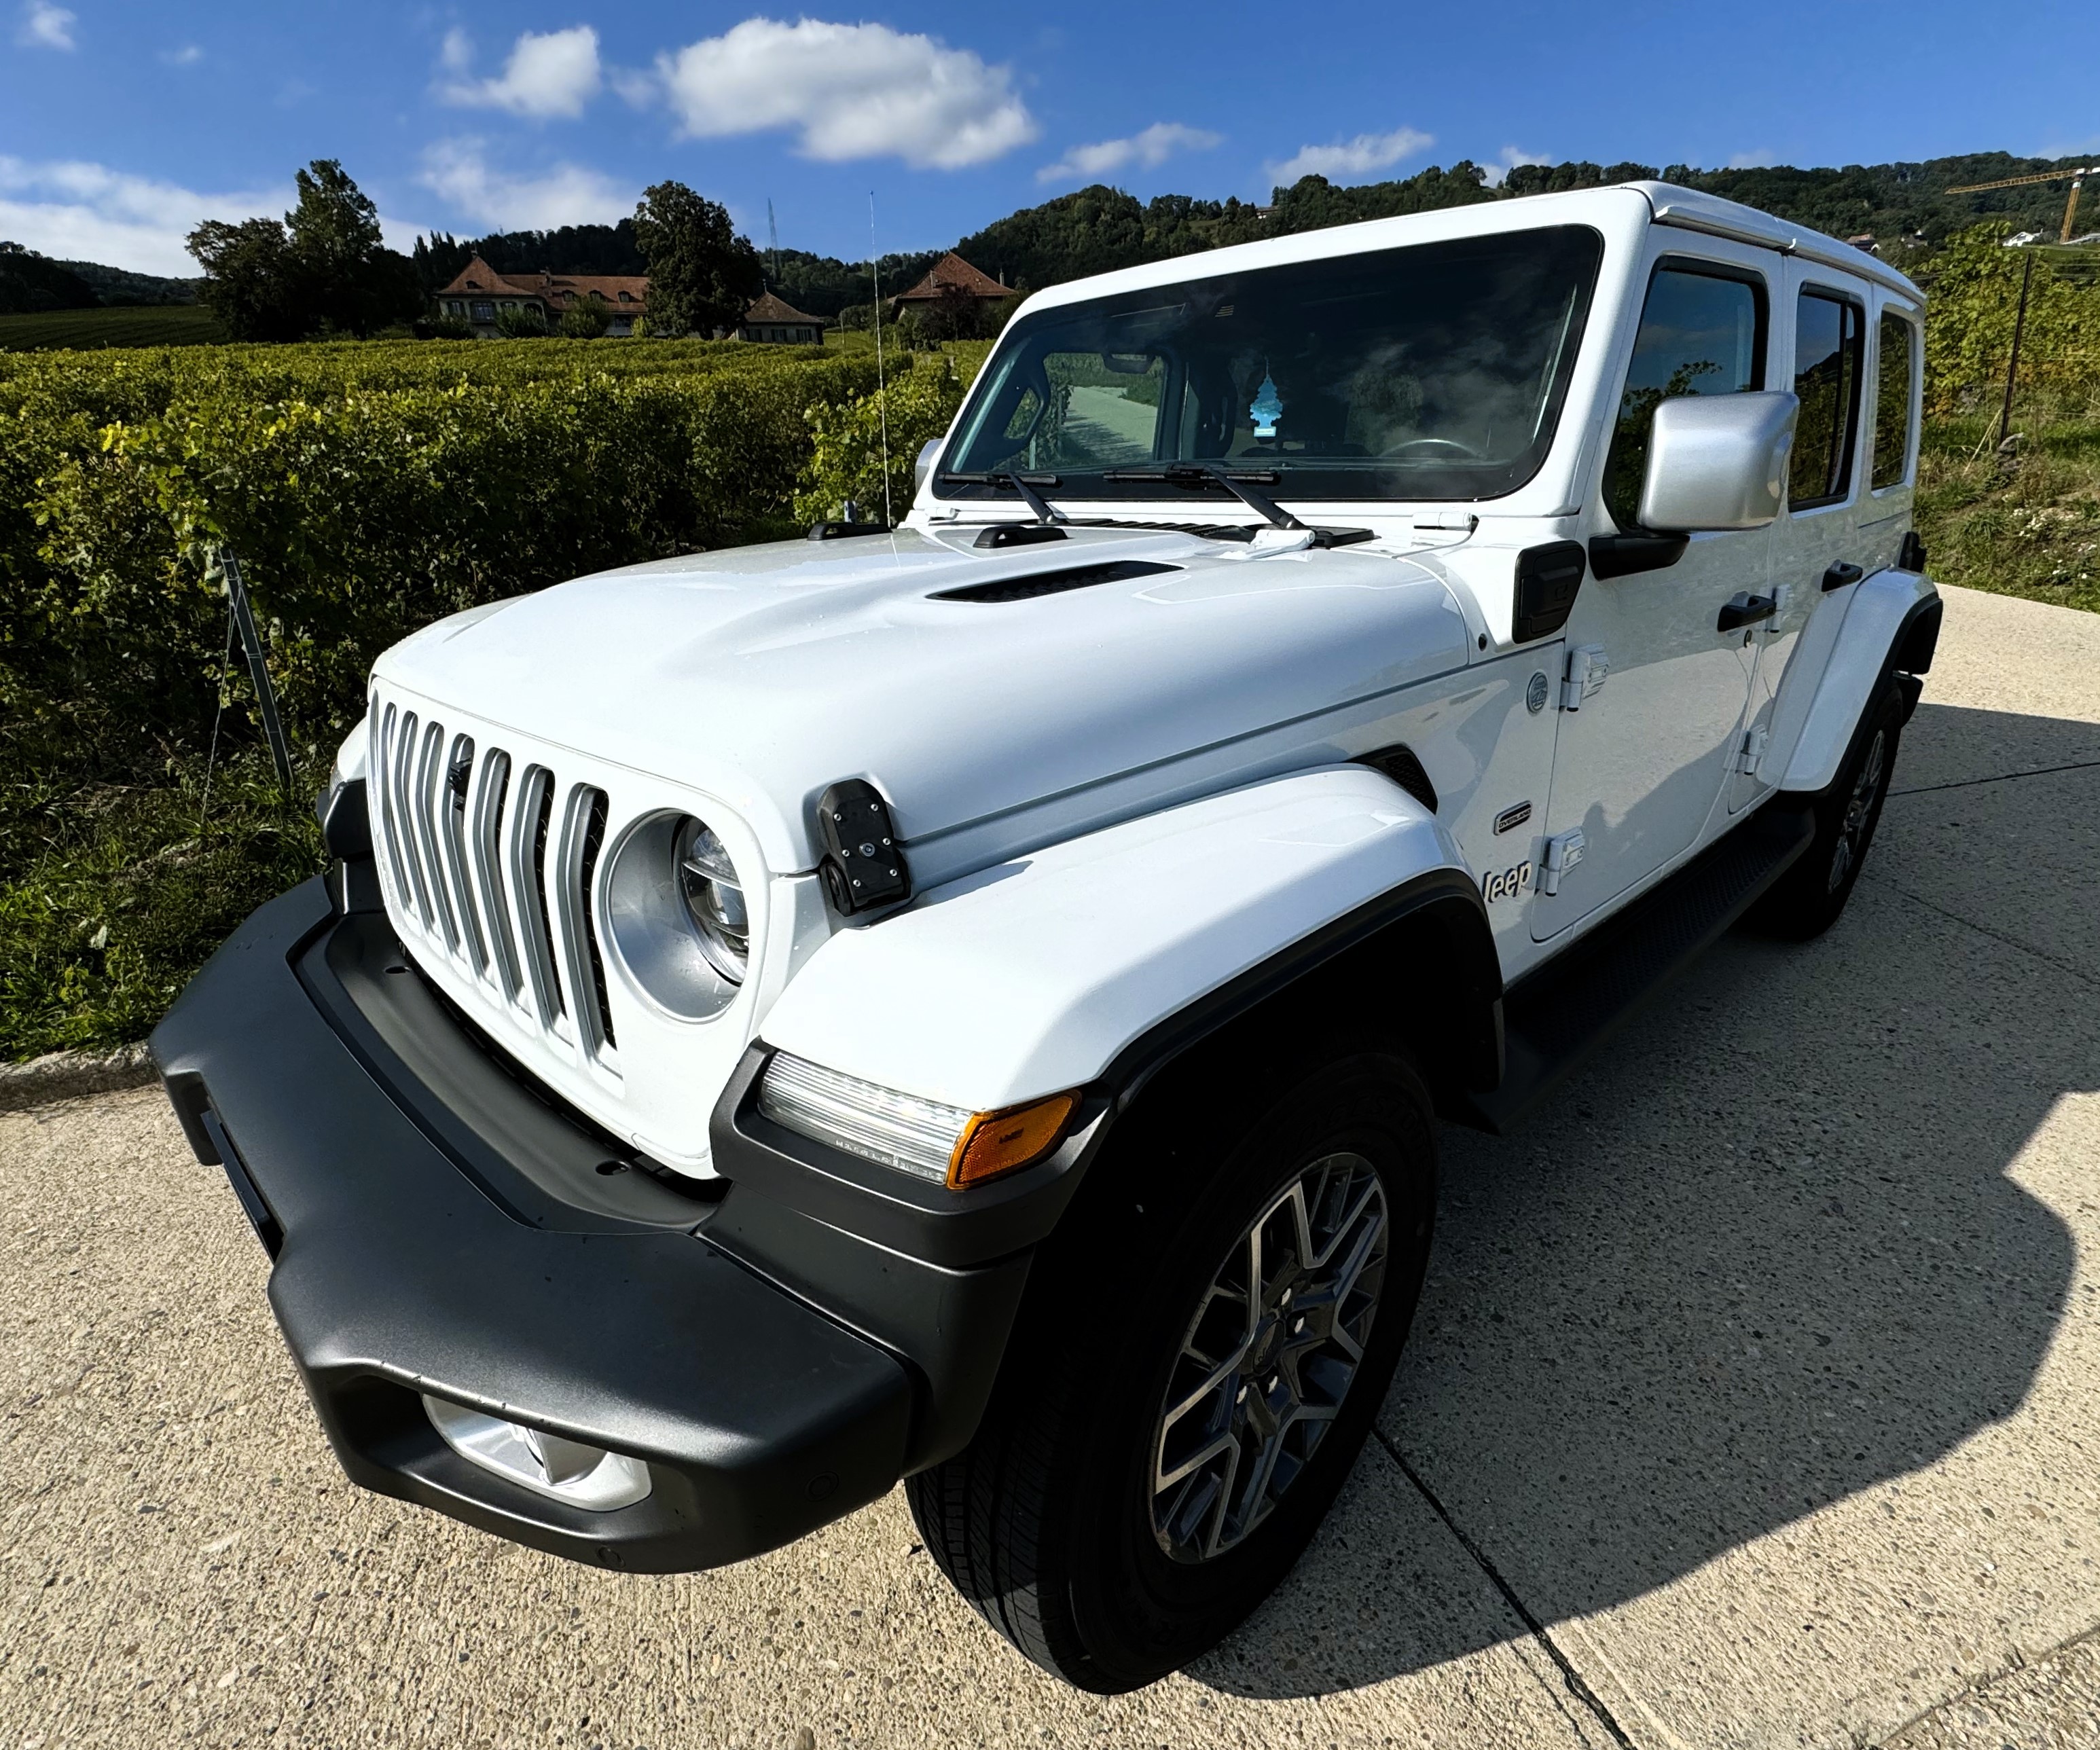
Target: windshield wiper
1024,484
1196,473
1202,473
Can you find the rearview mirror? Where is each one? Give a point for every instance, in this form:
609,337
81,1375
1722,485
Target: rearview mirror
1717,461
924,466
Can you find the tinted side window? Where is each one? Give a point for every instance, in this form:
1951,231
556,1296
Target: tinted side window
1702,332
1829,338
1892,391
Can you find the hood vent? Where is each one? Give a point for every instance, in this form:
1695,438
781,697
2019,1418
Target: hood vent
1053,582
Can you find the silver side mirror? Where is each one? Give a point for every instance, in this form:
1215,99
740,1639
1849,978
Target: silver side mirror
1718,461
924,466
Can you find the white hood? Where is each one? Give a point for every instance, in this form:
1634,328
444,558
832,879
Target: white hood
762,675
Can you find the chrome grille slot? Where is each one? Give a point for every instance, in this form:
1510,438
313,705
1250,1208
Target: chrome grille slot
452,818
582,837
382,787
429,788
486,848
527,865
402,783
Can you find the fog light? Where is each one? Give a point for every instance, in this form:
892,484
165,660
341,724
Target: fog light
588,1477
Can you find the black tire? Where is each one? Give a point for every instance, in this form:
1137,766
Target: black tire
1806,900
1047,1522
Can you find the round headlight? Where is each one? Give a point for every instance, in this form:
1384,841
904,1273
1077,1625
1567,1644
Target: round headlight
714,900
676,916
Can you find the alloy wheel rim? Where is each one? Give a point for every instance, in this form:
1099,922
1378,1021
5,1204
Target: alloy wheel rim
1274,1346
1859,810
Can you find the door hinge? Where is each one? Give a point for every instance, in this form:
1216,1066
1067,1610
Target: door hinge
1752,754
1562,852
1587,667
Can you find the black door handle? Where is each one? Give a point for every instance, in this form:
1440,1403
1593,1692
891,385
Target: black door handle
1740,609
1844,572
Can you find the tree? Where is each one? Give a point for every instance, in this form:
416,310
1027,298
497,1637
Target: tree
520,321
585,319
325,267
702,275
440,257
355,283
30,281
250,283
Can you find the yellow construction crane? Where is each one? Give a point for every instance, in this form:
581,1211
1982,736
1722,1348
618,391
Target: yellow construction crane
2070,207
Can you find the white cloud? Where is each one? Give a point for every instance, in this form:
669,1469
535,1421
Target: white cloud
459,171
1147,150
45,26
187,56
1753,160
849,91
1352,157
550,73
80,211
1511,157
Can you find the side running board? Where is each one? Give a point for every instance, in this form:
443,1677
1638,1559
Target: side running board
1557,1018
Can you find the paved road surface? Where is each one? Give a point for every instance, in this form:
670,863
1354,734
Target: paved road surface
1755,1399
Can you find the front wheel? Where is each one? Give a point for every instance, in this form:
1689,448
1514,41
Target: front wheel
1200,1364
1805,900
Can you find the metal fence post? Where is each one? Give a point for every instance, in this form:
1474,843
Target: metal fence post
258,667
2013,364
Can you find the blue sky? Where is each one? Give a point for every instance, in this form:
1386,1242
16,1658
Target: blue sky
122,123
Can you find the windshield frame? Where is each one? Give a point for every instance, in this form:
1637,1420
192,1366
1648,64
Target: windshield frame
1590,249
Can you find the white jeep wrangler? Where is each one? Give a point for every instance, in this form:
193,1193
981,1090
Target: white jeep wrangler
971,1003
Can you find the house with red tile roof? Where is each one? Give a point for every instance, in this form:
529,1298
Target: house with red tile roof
952,276
479,292
772,318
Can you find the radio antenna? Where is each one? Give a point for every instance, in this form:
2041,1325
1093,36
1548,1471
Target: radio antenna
881,383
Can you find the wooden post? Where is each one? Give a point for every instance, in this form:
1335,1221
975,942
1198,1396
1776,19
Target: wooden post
2013,364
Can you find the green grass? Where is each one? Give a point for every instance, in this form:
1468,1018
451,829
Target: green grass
148,325
2025,523
130,887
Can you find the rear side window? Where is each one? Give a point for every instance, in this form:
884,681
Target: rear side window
1895,378
1830,343
1702,332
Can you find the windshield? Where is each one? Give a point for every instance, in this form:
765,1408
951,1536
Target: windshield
1427,373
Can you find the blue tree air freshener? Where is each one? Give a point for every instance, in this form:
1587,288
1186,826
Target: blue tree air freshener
1268,406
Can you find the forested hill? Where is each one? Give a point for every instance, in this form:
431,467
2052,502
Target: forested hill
1904,207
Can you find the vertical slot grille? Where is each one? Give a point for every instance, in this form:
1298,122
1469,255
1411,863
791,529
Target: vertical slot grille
492,863
425,799
528,883
452,818
582,837
487,829
402,785
381,767
586,887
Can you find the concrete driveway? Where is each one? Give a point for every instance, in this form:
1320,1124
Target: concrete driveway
1755,1401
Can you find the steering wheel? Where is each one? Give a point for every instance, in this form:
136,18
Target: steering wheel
1452,444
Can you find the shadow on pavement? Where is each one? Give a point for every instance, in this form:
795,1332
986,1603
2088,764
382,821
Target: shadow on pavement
1763,1255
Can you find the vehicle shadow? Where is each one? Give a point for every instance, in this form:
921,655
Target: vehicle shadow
1762,1254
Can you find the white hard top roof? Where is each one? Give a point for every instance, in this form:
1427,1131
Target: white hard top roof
1667,205
1693,211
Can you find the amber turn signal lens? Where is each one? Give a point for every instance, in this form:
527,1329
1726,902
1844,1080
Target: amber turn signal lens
993,1143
